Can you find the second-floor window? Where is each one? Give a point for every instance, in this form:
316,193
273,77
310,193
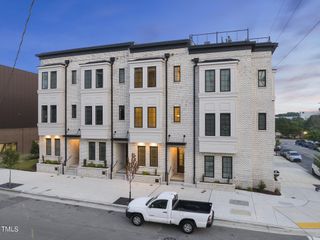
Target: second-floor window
121,112
121,75
225,124
99,78
262,78
53,79
44,80
87,79
99,115
92,151
176,74
53,113
209,80
138,117
262,121
138,78
152,117
176,114
210,123
74,76
88,115
44,113
152,77
57,147
225,80
74,111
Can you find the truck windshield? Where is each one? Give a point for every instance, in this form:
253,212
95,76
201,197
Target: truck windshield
151,199
174,200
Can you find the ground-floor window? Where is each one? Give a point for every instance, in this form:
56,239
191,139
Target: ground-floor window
5,146
154,156
57,147
92,150
141,155
48,146
102,151
227,167
209,166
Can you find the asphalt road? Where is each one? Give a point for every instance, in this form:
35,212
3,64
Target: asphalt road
34,219
306,153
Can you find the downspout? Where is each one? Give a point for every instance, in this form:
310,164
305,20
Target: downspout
166,56
66,64
195,61
112,59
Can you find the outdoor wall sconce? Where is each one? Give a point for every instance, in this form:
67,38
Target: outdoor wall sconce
184,137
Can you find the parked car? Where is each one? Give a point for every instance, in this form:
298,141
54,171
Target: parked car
300,142
293,156
168,209
315,169
283,152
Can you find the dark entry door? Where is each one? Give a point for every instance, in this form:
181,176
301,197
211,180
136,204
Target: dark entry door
180,160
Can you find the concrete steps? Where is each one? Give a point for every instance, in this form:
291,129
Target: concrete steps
70,171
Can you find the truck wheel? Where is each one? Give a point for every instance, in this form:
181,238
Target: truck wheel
137,219
187,226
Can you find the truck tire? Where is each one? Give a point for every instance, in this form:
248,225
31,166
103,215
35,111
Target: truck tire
187,226
137,219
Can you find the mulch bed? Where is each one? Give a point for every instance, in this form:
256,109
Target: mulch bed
10,186
123,201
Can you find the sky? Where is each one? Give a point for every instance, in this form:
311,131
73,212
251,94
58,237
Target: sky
64,24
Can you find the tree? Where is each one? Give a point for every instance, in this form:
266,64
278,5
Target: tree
10,158
34,149
131,169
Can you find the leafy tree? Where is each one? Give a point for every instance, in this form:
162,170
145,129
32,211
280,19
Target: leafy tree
313,122
9,159
34,149
314,135
289,127
131,169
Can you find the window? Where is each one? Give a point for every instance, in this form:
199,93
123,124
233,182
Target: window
152,117
92,151
210,124
99,115
225,80
161,204
48,146
209,80
227,167
121,75
53,79
262,121
138,117
99,78
141,155
262,78
57,147
88,115
74,77
138,78
176,114
225,124
53,113
209,166
87,79
102,151
74,111
45,80
154,156
44,113
176,74
121,112
152,76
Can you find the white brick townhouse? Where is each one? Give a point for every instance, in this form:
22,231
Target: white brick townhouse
190,112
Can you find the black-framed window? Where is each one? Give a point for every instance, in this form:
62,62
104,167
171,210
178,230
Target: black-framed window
44,80
99,115
227,167
152,76
176,74
176,114
210,79
138,117
153,156
74,76
138,78
210,124
88,115
262,78
99,78
209,166
44,113
53,79
53,113
74,111
121,75
225,124
141,155
57,147
262,121
160,204
121,112
92,151
87,79
225,80
48,146
102,151
152,117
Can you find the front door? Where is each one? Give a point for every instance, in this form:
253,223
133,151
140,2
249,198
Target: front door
180,160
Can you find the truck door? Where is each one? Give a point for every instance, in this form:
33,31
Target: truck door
158,211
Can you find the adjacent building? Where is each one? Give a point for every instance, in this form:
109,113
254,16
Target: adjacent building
194,113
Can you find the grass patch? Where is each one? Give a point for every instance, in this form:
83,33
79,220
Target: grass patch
24,164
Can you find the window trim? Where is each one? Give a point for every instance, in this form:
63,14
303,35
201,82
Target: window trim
96,115
176,119
150,157
205,124
265,121
223,167
265,78
223,69
144,160
205,160
149,122
134,120
229,114
214,80
134,76
174,73
155,73
124,75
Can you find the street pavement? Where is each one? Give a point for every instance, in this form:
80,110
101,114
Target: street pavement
34,219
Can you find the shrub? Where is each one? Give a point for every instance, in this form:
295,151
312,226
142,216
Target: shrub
51,162
94,165
261,186
34,149
216,181
145,173
249,189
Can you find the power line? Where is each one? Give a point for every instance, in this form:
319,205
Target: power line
277,16
300,41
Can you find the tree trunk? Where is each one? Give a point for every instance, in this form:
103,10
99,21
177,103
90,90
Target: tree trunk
10,178
130,192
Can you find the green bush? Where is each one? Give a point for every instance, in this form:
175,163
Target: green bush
145,173
261,186
51,162
94,165
34,149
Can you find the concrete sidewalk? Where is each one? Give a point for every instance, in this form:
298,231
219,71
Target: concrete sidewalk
256,209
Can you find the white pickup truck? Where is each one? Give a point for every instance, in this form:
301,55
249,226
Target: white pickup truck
166,208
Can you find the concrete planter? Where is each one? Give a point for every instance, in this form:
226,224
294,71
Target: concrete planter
147,178
49,168
93,172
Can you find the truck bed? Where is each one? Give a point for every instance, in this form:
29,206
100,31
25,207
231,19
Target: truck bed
192,206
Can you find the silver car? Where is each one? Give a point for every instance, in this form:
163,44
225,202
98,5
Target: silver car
293,156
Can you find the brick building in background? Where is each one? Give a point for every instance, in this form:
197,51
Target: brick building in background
18,109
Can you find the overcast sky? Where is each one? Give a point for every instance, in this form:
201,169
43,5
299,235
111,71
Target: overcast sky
63,24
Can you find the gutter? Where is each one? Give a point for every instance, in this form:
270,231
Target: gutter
66,64
166,55
195,61
112,59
